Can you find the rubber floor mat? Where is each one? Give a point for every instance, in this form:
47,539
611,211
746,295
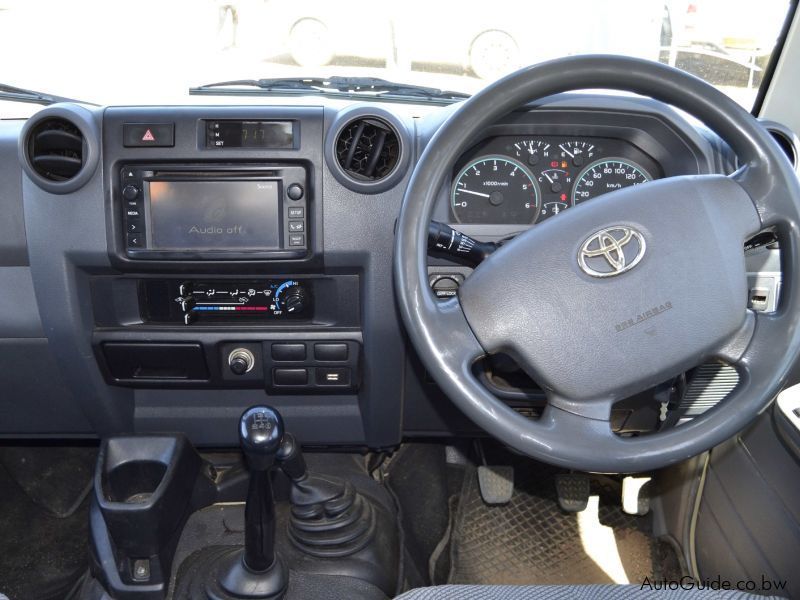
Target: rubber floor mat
532,541
44,520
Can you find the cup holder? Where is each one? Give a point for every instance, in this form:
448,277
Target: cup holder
143,488
134,482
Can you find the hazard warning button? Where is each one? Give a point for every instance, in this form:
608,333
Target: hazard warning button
137,135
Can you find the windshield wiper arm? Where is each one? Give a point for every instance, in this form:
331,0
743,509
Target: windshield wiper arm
338,86
9,92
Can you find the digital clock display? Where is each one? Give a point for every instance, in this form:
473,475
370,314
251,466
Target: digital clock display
275,135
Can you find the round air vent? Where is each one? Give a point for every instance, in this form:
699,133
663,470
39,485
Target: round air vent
366,149
55,149
59,147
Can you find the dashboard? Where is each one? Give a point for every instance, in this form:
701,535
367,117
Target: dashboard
163,268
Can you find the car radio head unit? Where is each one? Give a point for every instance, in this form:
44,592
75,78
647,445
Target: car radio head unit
194,213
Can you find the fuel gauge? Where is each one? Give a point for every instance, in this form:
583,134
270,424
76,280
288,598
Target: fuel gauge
578,153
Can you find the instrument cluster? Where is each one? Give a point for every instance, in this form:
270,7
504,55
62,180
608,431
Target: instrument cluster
525,180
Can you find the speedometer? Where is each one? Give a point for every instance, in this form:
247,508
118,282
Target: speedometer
495,190
605,176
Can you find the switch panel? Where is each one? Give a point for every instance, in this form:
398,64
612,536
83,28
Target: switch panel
312,367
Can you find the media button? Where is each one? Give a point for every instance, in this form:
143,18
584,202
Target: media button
129,174
130,192
295,191
134,226
135,240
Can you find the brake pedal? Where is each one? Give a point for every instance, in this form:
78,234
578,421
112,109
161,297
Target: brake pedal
636,495
573,491
496,483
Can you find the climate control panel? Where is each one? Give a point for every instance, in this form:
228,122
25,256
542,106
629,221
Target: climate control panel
225,301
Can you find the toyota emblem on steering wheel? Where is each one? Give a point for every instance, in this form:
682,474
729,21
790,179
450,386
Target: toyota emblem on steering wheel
611,251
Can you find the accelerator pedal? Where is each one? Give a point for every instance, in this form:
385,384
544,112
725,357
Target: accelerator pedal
573,491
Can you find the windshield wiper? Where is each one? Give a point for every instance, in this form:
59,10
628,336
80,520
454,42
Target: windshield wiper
354,87
9,92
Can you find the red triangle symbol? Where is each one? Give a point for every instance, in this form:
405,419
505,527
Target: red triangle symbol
148,136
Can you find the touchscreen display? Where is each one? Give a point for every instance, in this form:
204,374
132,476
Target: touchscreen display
197,215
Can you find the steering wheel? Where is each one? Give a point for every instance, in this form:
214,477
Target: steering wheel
616,295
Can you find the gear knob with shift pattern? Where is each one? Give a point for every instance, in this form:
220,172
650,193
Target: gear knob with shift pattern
260,434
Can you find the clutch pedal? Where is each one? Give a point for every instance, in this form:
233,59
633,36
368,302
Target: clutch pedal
496,483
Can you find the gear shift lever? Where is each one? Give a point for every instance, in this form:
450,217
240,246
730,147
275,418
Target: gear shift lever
260,434
256,571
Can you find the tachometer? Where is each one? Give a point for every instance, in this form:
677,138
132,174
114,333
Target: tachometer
496,190
606,176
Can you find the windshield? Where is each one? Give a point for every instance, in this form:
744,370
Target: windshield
153,51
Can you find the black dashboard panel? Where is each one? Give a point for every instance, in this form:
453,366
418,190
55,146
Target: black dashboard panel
121,352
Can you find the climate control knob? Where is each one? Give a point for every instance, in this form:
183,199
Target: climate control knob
294,300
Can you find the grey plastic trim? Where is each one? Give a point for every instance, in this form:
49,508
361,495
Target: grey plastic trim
361,111
85,122
779,130
780,101
19,312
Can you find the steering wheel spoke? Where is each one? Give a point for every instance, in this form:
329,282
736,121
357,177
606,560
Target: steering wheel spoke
734,348
760,351
596,409
463,349
759,183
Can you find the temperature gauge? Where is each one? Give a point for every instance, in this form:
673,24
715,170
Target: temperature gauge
555,178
